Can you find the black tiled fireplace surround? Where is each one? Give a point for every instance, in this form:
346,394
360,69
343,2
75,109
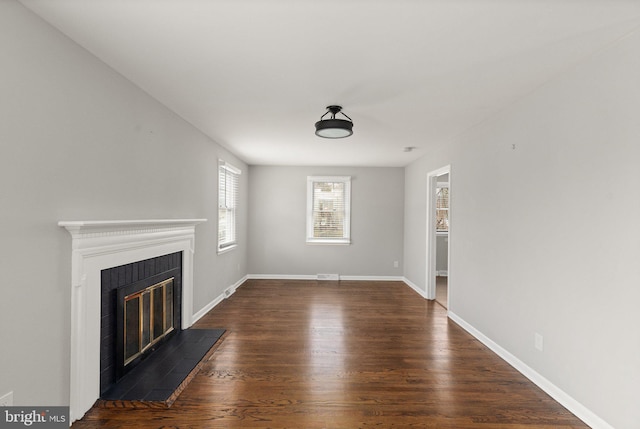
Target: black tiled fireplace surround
147,271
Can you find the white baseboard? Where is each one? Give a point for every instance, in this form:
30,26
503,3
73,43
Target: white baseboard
579,410
204,310
373,278
413,286
217,300
282,276
315,277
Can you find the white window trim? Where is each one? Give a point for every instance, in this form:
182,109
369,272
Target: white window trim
347,210
225,165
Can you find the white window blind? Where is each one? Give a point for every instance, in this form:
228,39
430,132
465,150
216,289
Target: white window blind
228,184
329,209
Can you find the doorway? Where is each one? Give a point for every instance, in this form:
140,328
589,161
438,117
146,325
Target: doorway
438,236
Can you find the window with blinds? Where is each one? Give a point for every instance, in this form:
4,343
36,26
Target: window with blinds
442,209
328,209
228,184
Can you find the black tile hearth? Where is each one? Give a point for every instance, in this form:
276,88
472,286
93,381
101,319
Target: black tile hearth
163,372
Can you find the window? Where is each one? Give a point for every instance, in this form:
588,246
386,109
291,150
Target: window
228,178
442,208
328,209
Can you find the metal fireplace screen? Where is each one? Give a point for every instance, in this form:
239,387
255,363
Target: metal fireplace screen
148,317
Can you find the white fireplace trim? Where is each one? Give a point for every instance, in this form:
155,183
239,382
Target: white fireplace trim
98,245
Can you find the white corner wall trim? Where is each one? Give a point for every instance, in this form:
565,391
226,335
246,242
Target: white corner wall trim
98,245
217,300
415,287
579,410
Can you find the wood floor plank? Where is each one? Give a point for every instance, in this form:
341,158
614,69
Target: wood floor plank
306,354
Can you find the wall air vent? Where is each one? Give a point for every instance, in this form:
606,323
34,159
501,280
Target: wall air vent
332,277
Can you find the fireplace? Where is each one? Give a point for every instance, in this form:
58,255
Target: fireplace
101,245
140,310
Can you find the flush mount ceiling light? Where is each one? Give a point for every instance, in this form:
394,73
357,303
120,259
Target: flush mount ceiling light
333,128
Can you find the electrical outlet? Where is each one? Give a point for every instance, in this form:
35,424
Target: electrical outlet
538,342
6,400
395,264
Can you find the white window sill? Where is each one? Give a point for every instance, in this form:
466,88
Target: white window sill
328,241
227,249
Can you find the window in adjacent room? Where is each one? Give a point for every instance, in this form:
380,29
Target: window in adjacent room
228,184
442,208
329,209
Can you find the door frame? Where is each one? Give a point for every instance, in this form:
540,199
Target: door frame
432,181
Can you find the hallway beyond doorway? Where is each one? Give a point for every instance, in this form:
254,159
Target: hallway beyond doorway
442,291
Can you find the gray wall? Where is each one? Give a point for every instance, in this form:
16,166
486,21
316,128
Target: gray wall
79,142
277,223
545,259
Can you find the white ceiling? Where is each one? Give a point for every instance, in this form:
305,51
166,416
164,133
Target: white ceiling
255,75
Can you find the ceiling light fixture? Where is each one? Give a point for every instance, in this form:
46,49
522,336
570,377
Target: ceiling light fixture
333,128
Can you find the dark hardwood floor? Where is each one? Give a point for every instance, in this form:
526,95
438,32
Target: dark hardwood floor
344,355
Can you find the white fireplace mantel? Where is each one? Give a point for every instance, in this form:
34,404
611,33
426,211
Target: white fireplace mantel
98,245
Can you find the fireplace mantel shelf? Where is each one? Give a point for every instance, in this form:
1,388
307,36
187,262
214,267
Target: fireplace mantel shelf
80,227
